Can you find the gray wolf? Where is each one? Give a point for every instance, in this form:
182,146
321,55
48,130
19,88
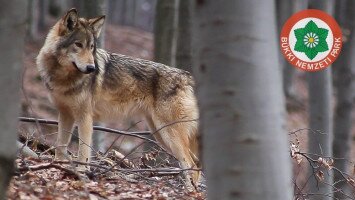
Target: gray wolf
88,84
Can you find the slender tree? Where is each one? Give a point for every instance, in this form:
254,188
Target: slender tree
239,91
184,46
42,12
90,9
321,116
284,10
56,8
13,21
116,11
32,17
165,31
344,69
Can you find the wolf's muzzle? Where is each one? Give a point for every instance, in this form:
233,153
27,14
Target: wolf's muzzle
90,69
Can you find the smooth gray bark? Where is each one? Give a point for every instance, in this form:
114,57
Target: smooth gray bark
184,46
13,21
135,13
25,150
91,9
116,11
344,70
42,14
244,148
56,8
285,9
321,117
165,31
130,13
144,14
290,71
32,17
321,125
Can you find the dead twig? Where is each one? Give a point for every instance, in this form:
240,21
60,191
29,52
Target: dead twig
96,128
47,166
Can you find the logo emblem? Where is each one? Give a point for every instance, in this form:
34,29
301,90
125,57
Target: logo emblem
311,40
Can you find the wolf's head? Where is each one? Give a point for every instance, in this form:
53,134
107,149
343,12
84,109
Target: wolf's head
77,41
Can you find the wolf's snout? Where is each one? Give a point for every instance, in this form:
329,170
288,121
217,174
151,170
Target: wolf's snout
90,68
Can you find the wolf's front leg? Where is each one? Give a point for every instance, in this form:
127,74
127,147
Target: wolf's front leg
66,122
85,125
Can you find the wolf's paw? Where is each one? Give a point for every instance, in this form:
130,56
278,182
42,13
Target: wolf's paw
190,185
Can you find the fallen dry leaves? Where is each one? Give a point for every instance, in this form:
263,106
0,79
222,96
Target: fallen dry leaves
53,183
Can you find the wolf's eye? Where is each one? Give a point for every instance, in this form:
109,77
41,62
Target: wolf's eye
92,46
78,44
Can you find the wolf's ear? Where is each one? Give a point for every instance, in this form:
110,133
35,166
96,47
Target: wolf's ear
96,24
70,20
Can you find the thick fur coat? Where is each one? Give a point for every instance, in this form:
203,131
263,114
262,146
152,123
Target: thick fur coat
88,84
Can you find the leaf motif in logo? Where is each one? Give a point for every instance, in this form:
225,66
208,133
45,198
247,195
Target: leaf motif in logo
322,33
311,26
300,33
311,40
322,46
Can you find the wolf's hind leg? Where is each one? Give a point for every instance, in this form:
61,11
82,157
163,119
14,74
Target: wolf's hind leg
176,138
65,127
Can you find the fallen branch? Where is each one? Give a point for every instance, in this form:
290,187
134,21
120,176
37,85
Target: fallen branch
47,166
159,170
54,164
136,134
97,128
41,146
25,150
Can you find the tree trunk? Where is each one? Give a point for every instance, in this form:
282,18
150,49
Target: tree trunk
32,17
165,31
42,14
245,148
129,13
13,17
91,9
344,71
285,10
320,114
184,46
56,8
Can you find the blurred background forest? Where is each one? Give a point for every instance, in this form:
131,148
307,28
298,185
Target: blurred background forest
319,106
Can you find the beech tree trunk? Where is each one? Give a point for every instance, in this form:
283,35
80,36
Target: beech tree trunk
239,90
42,14
165,31
285,10
32,17
91,9
321,117
184,46
344,73
13,21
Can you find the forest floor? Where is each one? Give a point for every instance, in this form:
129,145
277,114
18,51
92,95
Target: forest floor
40,178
